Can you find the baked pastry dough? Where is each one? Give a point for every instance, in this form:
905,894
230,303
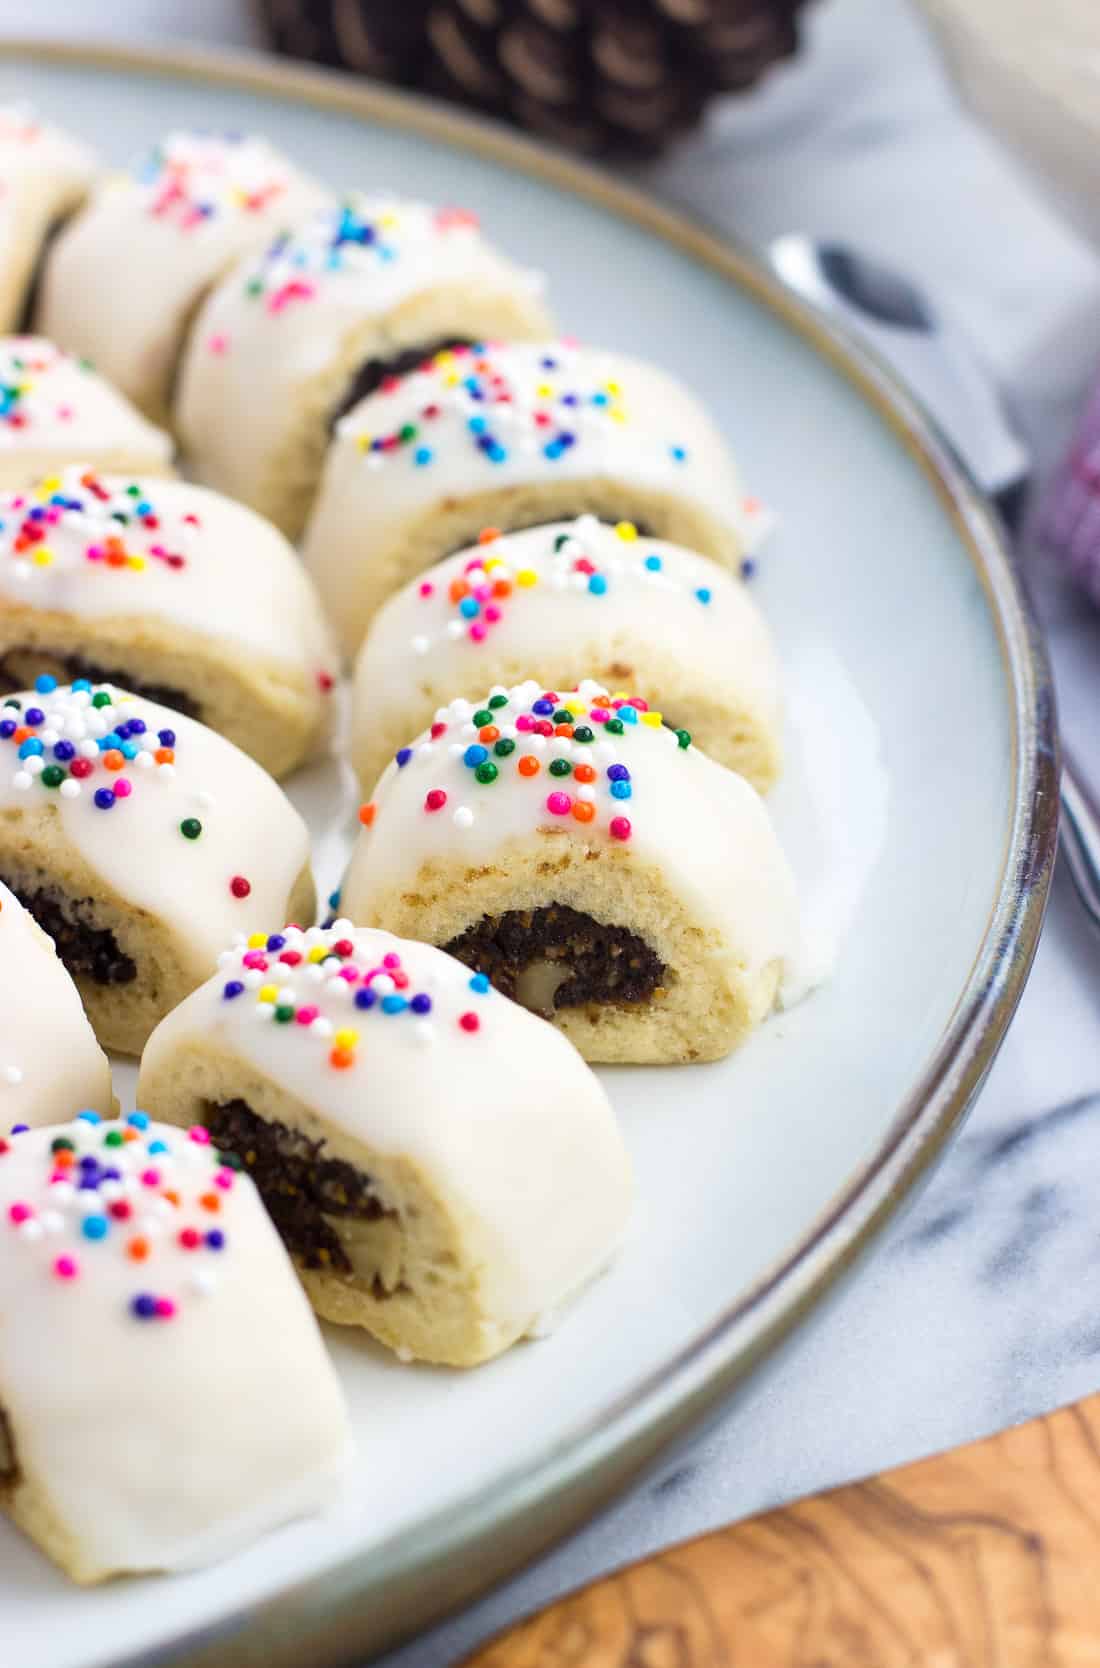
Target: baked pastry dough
44,175
122,282
173,592
563,602
165,1396
443,1167
594,863
141,842
509,436
50,1062
288,338
55,410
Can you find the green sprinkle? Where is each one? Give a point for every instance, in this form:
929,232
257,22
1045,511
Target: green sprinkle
560,767
52,776
483,717
614,726
583,733
284,1014
62,1144
486,771
190,828
561,540
229,1160
102,699
407,431
133,491
498,701
113,1138
562,716
684,737
503,747
254,287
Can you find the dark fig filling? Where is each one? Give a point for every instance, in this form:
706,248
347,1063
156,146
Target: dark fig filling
298,1186
9,1465
557,957
88,951
372,373
19,667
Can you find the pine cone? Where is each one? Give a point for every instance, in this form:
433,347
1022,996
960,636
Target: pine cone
609,77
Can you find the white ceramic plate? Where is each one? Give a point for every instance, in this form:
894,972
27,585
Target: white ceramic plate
759,1177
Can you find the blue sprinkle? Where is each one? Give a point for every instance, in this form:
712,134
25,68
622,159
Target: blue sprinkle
421,1004
553,450
31,747
748,568
677,454
138,1120
629,715
621,790
7,729
394,1004
167,738
703,594
365,998
45,684
130,749
470,608
474,755
95,1227
111,740
136,726
422,456
654,564
82,684
276,941
64,750
599,399
597,584
480,984
232,989
215,1240
20,1129
618,772
543,708
477,425
497,452
334,899
88,1117
144,1306
104,798
34,715
403,755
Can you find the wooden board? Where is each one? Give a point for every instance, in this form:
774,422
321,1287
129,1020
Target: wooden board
985,1557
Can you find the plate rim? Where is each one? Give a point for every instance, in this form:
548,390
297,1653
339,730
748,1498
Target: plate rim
364,1603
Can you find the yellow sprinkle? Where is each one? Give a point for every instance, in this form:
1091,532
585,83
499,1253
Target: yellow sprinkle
621,695
616,413
42,557
653,719
445,356
257,940
574,706
364,442
318,952
451,380
544,391
613,387
387,220
136,562
526,577
346,1039
48,484
267,993
626,531
491,563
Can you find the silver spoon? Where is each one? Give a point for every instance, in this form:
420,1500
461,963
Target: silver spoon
939,364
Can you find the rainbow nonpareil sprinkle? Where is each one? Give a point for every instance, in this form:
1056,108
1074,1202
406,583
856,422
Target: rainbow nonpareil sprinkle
81,739
191,179
78,521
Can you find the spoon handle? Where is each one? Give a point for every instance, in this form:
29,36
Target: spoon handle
1081,839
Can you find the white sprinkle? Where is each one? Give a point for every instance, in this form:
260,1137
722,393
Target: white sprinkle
314,972
252,978
144,761
424,1031
321,1026
382,984
586,791
11,1075
69,789
36,764
203,1281
264,1010
456,749
426,750
52,1220
463,817
421,645
225,957
166,772
21,780
32,1230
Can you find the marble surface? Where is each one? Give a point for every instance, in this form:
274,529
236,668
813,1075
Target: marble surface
976,1308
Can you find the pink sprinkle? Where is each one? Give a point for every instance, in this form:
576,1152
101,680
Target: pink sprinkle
348,974
477,631
558,804
199,1134
20,1213
224,1179
636,701
306,1016
427,588
391,960
525,722
218,343
165,1308
619,828
295,289
483,592
150,1178
123,788
65,413
66,1268
599,715
473,565
255,958
94,553
400,979
492,613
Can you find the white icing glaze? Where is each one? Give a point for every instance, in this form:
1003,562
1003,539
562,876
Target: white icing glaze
183,555
122,280
706,829
504,1120
552,594
50,1062
249,827
43,171
55,409
507,415
280,320
168,1441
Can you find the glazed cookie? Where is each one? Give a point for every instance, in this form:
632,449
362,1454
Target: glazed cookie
510,436
563,602
443,1167
174,593
288,340
594,863
122,283
55,410
141,842
44,175
50,1061
165,1396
